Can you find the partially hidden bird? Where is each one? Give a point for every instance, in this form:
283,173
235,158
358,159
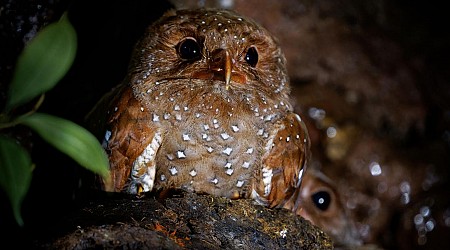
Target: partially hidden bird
205,108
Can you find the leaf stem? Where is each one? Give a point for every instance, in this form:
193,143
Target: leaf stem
13,122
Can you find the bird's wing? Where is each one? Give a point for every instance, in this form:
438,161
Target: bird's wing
284,161
129,141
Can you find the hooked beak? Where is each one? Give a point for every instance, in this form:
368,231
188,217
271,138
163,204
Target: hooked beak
221,63
220,67
228,69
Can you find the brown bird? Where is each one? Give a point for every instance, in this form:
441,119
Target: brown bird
319,202
204,108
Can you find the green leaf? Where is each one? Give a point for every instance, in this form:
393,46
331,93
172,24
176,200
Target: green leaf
15,173
71,139
43,62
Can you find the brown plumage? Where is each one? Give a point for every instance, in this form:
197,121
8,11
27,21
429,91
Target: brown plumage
204,108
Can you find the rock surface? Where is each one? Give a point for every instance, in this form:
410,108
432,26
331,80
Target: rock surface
182,221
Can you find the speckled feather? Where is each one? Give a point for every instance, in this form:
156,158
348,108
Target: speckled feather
177,123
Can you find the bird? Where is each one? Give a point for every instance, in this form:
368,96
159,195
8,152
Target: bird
319,202
204,107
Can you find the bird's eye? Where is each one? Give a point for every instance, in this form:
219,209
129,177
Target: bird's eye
252,56
189,49
322,200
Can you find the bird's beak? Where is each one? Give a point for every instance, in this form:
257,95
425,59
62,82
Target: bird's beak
228,67
222,65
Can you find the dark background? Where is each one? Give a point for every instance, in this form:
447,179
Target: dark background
107,31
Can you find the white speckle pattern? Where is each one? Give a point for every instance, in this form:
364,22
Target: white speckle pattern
170,157
176,108
186,137
267,180
178,117
246,164
228,165
142,109
173,170
239,183
155,118
249,151
227,151
106,139
229,171
206,127
181,154
269,117
300,176
225,136
166,116
193,173
162,177
145,161
215,181
260,132
209,149
235,128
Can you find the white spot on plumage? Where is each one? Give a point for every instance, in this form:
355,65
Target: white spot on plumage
269,117
246,164
106,138
215,181
229,171
227,151
209,149
146,161
225,136
181,154
178,117
155,118
193,173
186,137
249,151
176,107
173,170
228,165
267,180
260,131
235,128
206,126
166,116
162,177
239,183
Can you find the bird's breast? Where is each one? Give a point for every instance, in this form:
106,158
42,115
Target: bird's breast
211,142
